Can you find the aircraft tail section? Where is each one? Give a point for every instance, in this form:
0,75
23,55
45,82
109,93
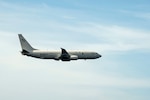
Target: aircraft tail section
26,47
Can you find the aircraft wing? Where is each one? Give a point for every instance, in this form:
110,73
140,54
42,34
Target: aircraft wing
65,56
64,52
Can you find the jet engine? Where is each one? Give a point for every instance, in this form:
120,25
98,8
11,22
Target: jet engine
73,57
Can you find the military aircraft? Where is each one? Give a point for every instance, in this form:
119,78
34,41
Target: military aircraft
62,55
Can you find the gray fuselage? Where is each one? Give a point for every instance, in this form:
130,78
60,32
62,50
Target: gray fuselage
56,54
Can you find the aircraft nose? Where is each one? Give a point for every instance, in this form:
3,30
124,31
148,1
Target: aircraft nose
98,55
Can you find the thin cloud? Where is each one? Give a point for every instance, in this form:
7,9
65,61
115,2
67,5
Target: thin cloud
43,26
143,15
68,17
114,38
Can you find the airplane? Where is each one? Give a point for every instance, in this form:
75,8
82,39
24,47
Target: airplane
62,55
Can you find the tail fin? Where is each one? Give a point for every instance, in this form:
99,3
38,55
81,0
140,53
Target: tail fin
24,44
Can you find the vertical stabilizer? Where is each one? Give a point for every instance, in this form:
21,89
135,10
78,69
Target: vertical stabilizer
24,44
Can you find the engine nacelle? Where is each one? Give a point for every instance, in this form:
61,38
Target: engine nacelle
68,57
73,57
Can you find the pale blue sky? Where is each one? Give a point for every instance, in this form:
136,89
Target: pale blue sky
118,30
